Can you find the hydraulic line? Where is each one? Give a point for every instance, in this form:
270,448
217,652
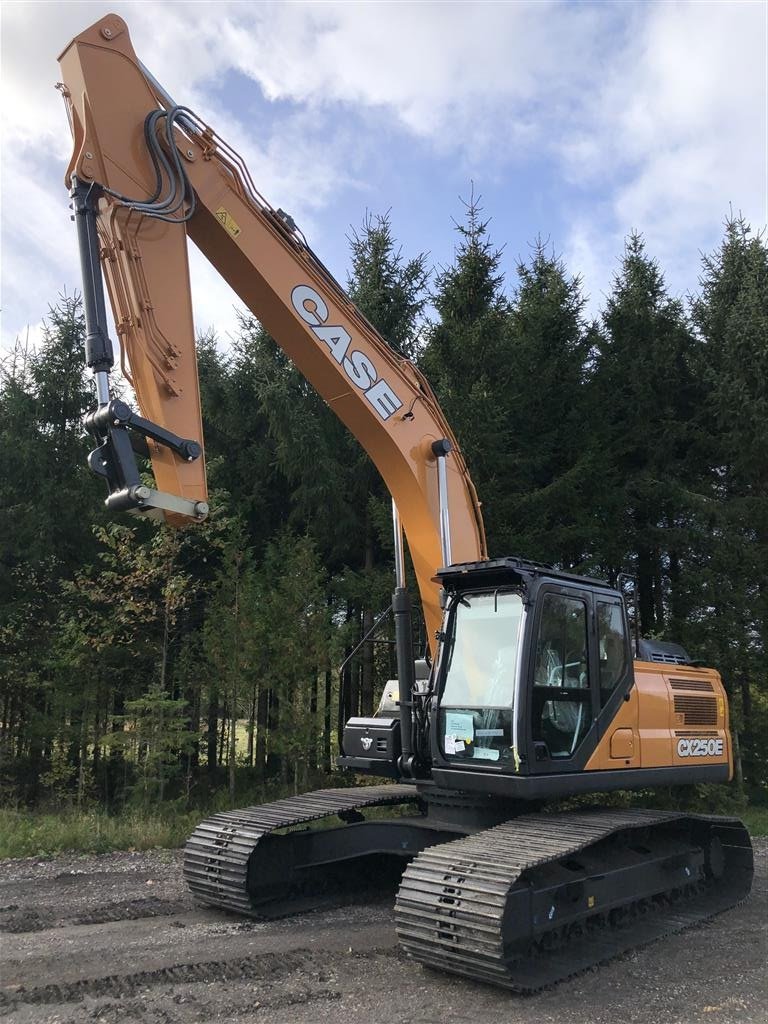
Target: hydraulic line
180,190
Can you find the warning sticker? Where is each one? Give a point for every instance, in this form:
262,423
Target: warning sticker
228,221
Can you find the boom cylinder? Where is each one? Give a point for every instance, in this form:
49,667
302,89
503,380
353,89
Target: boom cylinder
406,669
440,450
399,554
406,672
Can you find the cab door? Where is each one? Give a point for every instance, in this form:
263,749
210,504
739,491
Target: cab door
563,680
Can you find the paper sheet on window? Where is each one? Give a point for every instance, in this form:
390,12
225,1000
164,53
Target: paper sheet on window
486,754
460,725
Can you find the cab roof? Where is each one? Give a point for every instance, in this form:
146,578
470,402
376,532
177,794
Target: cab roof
497,572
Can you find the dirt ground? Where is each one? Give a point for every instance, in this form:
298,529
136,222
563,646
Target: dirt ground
117,939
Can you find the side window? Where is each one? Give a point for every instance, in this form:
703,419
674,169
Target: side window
562,711
612,645
561,649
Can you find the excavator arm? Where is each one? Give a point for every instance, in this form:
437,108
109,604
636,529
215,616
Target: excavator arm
145,174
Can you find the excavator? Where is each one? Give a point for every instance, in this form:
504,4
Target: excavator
535,691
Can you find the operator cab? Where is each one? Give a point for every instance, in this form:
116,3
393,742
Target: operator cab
533,664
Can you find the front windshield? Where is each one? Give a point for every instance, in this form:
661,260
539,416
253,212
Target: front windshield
482,651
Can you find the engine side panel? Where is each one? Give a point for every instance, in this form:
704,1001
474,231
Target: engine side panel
675,716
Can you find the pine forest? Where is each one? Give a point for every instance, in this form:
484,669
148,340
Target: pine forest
146,667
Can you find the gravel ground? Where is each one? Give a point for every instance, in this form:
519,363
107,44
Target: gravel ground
117,939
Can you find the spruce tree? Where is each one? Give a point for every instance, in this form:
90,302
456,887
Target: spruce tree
389,290
291,651
46,491
466,361
644,397
229,639
548,461
731,316
48,500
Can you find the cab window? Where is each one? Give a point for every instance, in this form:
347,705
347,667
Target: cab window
562,712
481,670
482,651
611,639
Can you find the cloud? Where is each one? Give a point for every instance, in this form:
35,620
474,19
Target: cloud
673,134
438,69
654,115
38,239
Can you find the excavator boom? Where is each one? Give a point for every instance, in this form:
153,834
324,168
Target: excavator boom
159,174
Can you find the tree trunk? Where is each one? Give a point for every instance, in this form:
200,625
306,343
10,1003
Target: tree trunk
235,680
96,761
213,728
746,700
738,772
312,746
262,713
645,591
676,603
232,752
251,725
193,725
223,735
81,761
274,758
658,592
327,720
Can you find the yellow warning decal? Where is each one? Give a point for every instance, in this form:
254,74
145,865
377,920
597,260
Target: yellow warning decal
228,221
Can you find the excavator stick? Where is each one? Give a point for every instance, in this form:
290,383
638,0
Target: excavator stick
113,424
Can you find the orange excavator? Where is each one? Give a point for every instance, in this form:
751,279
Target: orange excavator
535,691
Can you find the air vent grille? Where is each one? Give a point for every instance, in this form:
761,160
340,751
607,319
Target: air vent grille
692,684
688,734
381,744
670,659
697,710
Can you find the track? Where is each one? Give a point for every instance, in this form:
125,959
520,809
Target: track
513,906
217,854
509,905
190,965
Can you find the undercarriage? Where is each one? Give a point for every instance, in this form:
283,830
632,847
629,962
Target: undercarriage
521,901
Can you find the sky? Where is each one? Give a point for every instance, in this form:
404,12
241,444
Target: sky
574,122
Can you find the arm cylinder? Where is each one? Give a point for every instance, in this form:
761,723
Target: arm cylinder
98,348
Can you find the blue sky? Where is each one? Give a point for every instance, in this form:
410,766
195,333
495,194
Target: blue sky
577,122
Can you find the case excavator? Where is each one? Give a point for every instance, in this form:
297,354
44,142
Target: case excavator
535,691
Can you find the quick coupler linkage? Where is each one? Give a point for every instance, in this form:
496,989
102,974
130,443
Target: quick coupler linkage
121,434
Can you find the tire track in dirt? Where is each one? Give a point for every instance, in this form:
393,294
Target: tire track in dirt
112,959
269,967
17,920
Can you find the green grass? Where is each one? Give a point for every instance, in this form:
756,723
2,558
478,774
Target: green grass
43,834
37,834
756,820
